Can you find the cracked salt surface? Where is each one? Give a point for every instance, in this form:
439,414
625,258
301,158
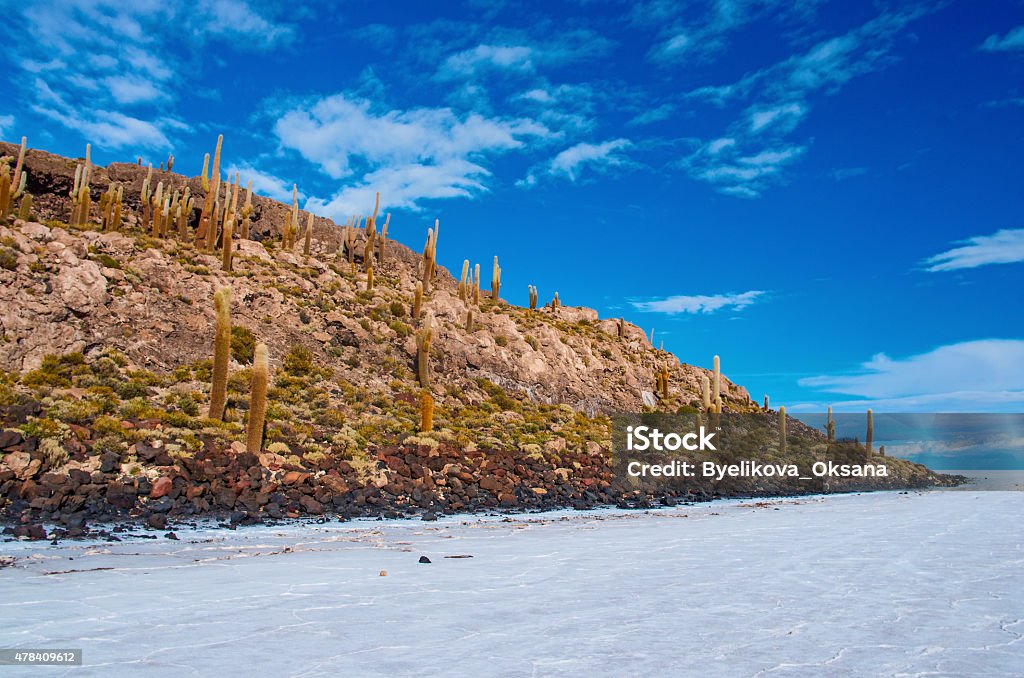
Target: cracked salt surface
876,584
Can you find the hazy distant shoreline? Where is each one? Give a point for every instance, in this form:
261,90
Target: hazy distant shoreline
986,480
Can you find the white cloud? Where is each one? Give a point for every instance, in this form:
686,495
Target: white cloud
133,89
786,117
404,186
109,69
571,162
409,155
263,183
673,47
720,163
780,97
656,114
1002,247
487,57
1013,40
6,123
699,303
968,376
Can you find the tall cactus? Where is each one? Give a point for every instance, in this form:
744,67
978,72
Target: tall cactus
705,392
830,426
533,297
426,412
663,377
476,285
227,244
5,190
257,399
307,245
16,180
462,280
417,300
621,328
246,212
555,302
430,256
782,430
208,217
221,352
384,237
871,432
469,320
716,385
766,402
424,336
496,281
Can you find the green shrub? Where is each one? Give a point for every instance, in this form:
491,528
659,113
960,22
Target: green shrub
298,362
243,343
8,259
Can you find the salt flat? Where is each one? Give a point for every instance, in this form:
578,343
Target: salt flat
888,583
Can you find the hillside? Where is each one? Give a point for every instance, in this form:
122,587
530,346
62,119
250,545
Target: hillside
107,338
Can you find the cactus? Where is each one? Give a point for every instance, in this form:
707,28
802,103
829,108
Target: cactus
533,297
426,412
384,236
469,320
144,196
158,201
871,432
417,300
782,430
257,399
496,281
556,302
182,213
430,256
462,280
5,190
170,162
705,392
881,450
205,176
17,179
423,338
622,328
663,377
476,285
369,279
226,243
81,198
830,426
652,338
309,236
766,401
246,212
25,208
208,217
716,384
221,352
115,220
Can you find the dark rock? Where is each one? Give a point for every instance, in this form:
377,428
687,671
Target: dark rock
161,505
9,439
157,521
311,505
429,515
171,535
424,559
110,462
34,532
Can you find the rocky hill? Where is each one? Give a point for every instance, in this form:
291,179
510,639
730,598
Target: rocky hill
106,338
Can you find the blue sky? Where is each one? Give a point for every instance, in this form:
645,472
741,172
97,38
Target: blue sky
827,194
